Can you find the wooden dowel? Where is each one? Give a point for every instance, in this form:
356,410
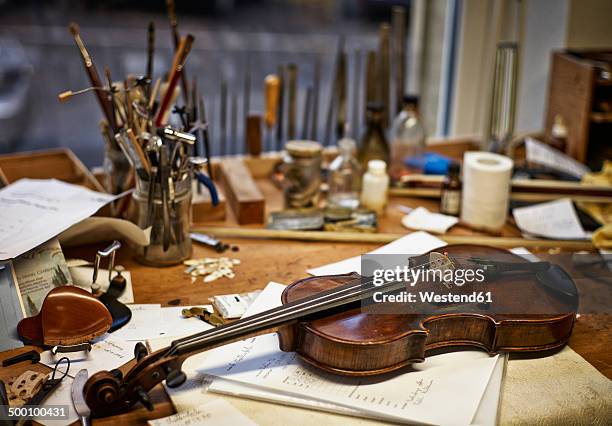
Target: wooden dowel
378,238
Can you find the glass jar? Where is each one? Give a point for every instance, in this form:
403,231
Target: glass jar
302,174
170,242
344,177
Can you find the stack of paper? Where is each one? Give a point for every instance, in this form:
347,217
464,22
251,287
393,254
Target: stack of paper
256,368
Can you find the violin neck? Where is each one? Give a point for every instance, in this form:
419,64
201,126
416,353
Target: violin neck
282,315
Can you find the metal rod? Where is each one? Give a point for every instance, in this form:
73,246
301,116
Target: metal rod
281,112
384,68
292,76
315,99
234,125
398,27
332,94
307,108
356,96
223,118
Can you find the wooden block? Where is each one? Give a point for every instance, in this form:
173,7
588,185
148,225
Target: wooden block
202,209
243,195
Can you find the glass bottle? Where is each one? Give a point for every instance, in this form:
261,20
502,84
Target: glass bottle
374,144
407,135
344,177
450,197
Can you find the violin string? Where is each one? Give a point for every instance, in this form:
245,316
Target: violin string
333,294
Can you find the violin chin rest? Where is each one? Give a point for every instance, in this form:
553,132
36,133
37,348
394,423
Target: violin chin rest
69,316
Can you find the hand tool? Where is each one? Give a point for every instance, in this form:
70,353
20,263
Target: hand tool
78,400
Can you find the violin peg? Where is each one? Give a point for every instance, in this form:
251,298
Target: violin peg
175,378
144,399
117,373
140,351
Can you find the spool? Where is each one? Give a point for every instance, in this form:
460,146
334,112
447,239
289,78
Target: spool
486,190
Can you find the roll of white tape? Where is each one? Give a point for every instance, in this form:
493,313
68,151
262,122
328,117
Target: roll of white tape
486,189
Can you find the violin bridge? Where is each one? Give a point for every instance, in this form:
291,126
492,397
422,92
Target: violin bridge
443,263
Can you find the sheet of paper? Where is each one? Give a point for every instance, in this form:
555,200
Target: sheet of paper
553,219
146,323
542,154
415,243
61,396
177,326
82,275
106,353
217,412
458,380
421,219
102,229
36,210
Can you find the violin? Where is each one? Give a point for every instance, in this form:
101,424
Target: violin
325,320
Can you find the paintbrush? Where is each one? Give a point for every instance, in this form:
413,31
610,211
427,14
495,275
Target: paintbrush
180,57
94,78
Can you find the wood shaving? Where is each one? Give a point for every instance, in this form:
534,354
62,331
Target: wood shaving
210,268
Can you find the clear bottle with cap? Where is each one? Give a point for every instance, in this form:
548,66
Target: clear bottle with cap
344,176
375,186
407,135
374,144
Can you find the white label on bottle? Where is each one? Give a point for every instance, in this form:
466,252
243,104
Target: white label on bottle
450,200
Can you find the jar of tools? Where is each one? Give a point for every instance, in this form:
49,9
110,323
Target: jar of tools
161,199
302,174
116,165
166,208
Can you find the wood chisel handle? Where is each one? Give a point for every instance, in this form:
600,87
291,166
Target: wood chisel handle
272,92
177,66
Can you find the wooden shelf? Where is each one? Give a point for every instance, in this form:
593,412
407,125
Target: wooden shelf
601,117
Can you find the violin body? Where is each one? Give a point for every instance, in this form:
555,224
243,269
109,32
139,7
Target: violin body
356,343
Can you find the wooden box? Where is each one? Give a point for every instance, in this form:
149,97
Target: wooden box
60,164
580,92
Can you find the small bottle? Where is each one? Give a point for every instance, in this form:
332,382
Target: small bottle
374,144
407,135
559,134
375,186
345,176
450,200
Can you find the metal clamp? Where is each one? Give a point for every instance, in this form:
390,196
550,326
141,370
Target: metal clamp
107,252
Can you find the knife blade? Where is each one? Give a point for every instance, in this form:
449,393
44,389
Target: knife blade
78,400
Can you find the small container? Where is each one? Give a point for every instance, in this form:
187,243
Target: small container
375,186
302,174
344,177
145,213
450,197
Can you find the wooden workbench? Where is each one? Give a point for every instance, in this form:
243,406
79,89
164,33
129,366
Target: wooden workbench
285,261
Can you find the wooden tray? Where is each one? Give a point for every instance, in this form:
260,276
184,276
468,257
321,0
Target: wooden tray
59,163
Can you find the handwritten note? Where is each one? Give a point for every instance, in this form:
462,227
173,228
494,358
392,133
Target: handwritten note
36,210
554,219
106,353
146,323
218,412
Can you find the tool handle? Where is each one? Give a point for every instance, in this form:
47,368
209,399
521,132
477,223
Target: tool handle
272,93
208,183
